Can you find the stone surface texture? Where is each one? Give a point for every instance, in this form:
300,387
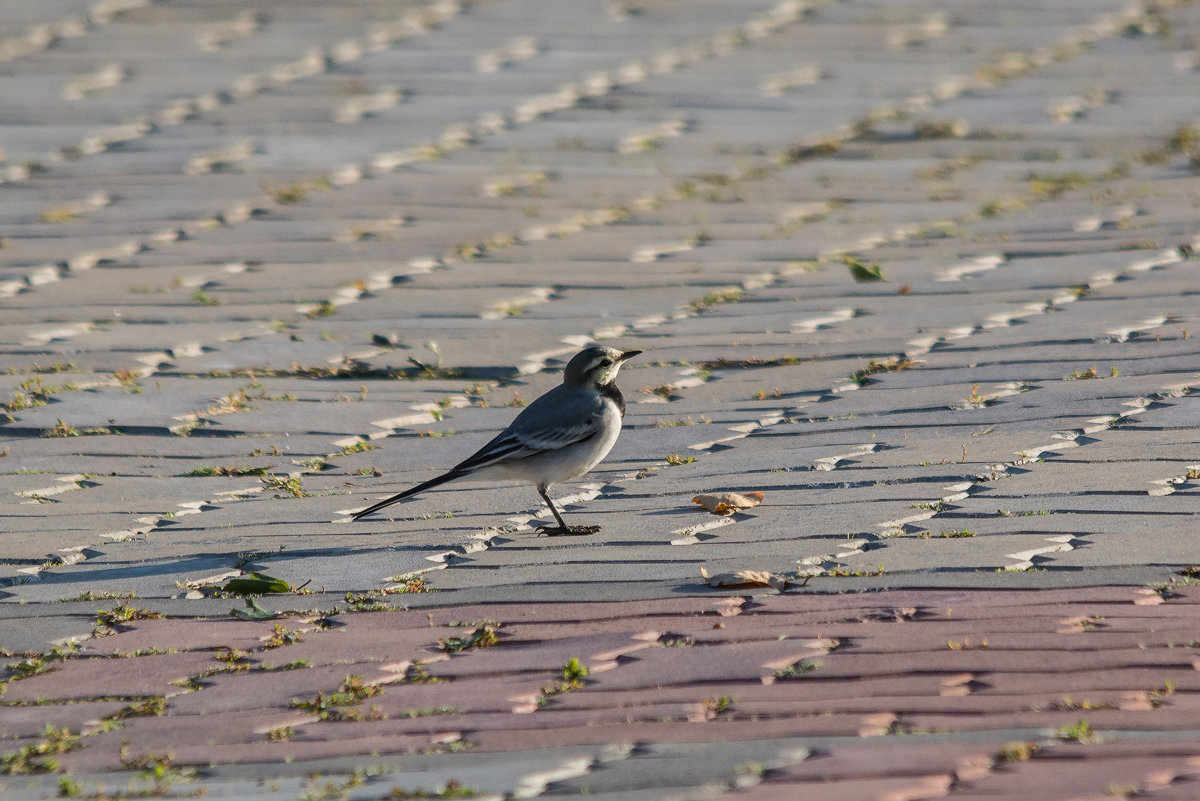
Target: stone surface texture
923,274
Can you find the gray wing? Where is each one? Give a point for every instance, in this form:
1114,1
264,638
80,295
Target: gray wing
560,418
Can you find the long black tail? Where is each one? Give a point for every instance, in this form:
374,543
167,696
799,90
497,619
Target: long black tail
408,493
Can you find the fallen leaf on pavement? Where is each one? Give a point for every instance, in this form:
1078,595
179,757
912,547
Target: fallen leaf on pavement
861,271
726,503
256,584
255,612
745,578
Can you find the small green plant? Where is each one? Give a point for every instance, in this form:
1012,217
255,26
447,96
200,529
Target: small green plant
942,229
664,391
417,674
892,365
68,787
750,363
282,636
38,757
341,705
227,470
1050,185
680,421
675,460
61,429
1089,373
432,711
295,664
954,534
128,380
111,618
20,400
323,308
204,299
361,446
58,215
29,666
452,789
1185,139
574,670
482,637
996,206
234,402
289,484
573,674
1017,751
966,645
806,152
156,770
676,641
862,272
413,584
280,734
715,298
291,193
103,595
1081,732
469,251
1026,513
1069,704
314,464
719,706
370,601
150,706
941,129
799,669
235,660
1158,695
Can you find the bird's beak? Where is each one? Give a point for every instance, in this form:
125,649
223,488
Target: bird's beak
629,354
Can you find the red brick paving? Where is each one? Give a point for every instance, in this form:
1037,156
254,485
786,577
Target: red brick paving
899,672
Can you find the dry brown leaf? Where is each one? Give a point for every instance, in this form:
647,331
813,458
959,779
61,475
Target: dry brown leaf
745,578
726,503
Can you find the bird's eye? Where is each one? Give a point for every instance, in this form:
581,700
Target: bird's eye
605,362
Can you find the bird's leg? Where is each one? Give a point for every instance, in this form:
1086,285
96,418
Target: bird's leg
563,528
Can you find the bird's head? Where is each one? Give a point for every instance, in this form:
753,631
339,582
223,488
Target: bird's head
596,366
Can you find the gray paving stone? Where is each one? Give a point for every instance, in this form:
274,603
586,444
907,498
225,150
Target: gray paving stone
509,279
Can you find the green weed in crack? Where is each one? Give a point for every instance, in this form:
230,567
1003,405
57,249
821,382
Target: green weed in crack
890,365
38,756
343,704
482,637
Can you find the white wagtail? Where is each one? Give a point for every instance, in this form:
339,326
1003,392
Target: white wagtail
560,436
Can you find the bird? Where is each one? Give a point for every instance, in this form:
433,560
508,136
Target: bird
560,436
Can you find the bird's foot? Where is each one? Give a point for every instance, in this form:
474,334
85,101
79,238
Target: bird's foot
571,531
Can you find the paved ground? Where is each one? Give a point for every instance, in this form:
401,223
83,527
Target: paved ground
263,263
